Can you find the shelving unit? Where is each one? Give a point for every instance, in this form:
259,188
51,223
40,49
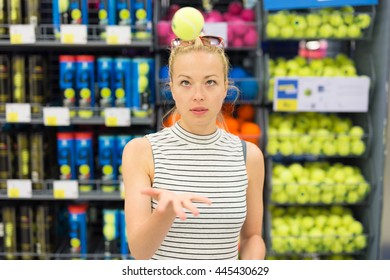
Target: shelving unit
365,52
44,193
370,54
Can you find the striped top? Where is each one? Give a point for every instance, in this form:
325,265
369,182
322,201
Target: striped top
208,165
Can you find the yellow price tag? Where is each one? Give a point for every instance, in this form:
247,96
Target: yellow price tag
59,194
13,193
111,121
287,105
16,39
51,121
12,117
68,38
113,39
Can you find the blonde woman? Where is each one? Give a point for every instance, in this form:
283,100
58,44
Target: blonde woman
193,190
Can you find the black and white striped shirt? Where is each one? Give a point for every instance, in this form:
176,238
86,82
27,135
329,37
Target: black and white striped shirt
208,165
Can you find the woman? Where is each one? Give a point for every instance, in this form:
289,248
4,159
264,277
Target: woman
191,190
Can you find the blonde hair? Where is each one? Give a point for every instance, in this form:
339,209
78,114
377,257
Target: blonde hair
198,45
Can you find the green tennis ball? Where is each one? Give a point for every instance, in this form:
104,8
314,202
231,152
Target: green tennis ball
109,232
143,83
109,218
143,68
187,23
63,5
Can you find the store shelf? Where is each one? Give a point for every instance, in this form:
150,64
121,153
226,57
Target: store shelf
98,192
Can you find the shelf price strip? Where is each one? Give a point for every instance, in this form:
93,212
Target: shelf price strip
19,188
65,189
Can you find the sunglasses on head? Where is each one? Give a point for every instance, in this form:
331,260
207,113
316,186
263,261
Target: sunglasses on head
207,40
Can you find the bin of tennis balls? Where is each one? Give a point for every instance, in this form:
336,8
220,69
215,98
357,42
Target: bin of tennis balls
241,120
246,83
309,134
319,182
241,24
315,230
348,22
338,66
143,88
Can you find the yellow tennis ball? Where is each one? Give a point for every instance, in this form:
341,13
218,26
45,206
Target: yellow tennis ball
187,23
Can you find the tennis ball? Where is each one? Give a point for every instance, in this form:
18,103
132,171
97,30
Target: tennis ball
187,23
143,83
272,30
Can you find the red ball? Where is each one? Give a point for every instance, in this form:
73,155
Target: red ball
237,42
239,27
214,16
235,8
248,15
251,37
163,28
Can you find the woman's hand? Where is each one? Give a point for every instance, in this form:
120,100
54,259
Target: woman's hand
167,199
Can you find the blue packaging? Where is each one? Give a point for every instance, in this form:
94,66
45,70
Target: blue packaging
65,155
78,230
143,87
105,82
121,141
106,15
107,162
85,85
69,12
122,82
123,12
111,232
123,235
141,19
84,160
303,4
67,81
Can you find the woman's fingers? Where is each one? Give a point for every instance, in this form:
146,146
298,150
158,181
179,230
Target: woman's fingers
198,198
178,208
188,204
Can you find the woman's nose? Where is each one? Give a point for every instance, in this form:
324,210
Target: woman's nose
198,94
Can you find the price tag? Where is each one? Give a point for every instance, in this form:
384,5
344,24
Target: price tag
219,29
65,189
118,34
18,112
117,117
321,94
56,116
122,190
22,34
19,188
73,34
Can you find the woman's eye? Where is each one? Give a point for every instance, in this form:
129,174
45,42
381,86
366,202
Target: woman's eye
184,83
211,82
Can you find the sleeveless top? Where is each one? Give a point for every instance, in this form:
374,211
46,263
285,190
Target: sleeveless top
208,165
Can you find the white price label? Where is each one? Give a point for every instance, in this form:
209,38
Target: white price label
118,34
321,94
18,112
19,188
122,189
117,117
219,29
74,34
64,189
56,116
22,34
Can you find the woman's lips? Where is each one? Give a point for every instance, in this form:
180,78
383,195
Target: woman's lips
198,110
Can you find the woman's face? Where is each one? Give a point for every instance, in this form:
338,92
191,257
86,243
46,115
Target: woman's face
199,88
